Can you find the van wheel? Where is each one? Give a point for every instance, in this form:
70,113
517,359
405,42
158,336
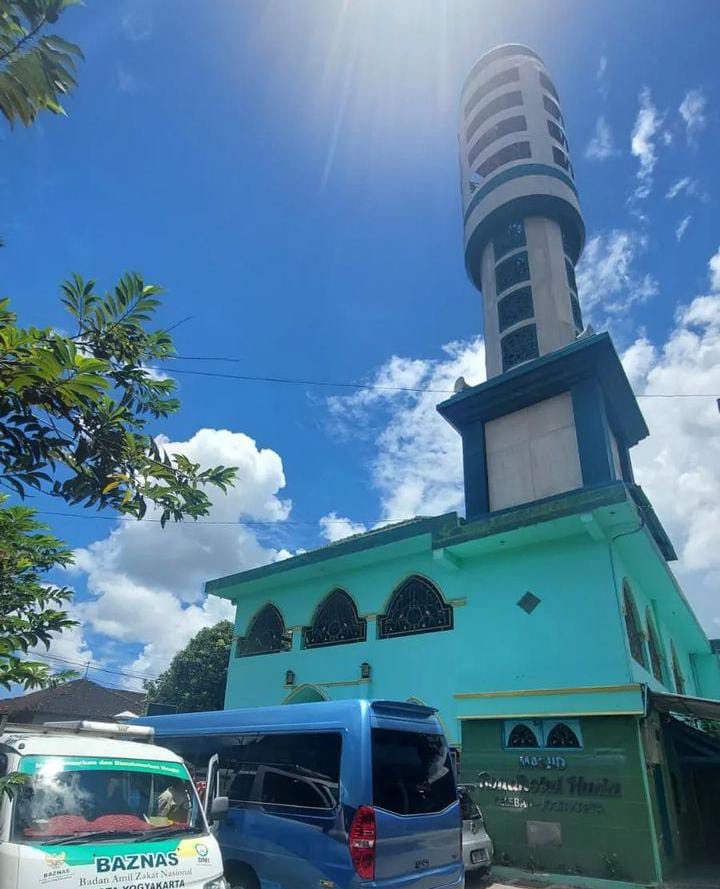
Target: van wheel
240,876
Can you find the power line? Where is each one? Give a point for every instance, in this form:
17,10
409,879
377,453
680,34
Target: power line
250,378
92,666
246,378
278,522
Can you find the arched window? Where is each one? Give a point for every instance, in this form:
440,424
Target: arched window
632,625
656,660
265,635
336,622
416,606
522,736
561,735
678,677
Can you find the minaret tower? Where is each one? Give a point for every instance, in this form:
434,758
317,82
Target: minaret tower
557,413
523,227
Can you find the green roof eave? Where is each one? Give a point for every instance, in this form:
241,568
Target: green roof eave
377,545
539,512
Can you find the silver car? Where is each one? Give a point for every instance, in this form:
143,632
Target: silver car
477,847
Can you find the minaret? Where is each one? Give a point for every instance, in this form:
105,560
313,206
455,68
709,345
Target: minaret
523,227
557,413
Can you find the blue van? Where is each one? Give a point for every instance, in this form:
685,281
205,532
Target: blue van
331,795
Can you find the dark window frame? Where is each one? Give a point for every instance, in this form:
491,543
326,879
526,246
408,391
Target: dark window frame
415,594
557,133
509,75
515,151
395,788
523,340
321,635
564,732
505,127
514,307
654,650
512,271
519,735
511,237
503,102
553,108
264,640
560,158
633,627
548,85
678,675
266,766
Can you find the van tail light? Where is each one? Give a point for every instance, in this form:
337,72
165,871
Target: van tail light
362,842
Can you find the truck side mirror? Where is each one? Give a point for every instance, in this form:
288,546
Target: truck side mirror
218,807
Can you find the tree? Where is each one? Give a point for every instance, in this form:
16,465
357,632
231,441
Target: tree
36,69
196,677
73,416
30,610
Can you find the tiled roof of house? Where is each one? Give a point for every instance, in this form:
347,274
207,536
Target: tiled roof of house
79,698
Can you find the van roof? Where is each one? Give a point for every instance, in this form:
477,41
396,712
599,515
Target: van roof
322,714
72,744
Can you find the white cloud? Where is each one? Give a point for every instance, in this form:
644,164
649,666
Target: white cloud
715,272
679,464
69,645
137,21
682,227
418,465
692,111
146,581
601,146
686,185
608,281
127,81
335,527
601,75
642,143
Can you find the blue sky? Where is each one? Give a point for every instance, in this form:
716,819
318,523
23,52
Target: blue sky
288,171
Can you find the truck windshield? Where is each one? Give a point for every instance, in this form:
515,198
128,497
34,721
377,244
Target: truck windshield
73,796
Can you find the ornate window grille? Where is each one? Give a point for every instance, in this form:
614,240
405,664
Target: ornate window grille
336,622
519,345
561,735
266,634
512,271
515,307
635,636
677,672
656,661
416,606
522,736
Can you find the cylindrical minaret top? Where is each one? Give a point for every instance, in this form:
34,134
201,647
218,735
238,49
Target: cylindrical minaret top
524,231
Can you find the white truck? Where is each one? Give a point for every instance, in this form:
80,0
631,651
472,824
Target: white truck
97,809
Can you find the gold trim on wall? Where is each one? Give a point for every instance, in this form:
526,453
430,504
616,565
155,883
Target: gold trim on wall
553,715
542,692
341,682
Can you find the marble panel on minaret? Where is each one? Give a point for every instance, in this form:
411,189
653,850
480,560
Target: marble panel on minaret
532,453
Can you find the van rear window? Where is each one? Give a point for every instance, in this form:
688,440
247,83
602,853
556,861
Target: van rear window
412,772
299,769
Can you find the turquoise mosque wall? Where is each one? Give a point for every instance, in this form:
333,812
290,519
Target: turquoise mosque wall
575,640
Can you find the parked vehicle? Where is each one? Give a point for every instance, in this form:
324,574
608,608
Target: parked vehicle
333,794
477,847
93,807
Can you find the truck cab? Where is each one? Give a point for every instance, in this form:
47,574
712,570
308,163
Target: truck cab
98,804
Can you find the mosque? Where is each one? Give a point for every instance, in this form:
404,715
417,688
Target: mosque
568,668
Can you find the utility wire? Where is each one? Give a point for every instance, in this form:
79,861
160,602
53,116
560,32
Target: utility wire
278,522
250,378
92,666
